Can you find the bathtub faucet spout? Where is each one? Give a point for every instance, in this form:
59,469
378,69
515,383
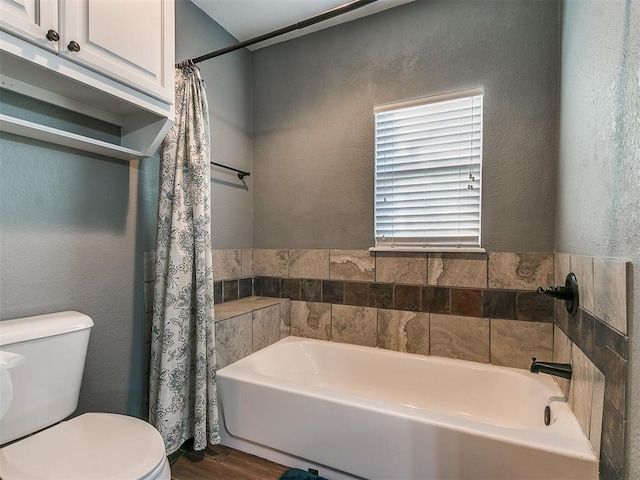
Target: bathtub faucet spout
557,369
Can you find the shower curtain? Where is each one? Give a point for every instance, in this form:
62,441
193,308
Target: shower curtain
182,393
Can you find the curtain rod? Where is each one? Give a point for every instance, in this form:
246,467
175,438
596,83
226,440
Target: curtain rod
295,26
241,174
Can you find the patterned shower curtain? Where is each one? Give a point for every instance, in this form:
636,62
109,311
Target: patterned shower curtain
182,397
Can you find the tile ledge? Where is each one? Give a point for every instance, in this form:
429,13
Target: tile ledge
236,308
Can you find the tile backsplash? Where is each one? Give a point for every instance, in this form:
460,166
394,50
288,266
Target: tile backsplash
480,307
441,304
595,342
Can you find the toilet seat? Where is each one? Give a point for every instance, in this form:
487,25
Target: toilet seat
93,446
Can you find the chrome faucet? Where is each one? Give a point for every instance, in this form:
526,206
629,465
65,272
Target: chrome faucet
562,370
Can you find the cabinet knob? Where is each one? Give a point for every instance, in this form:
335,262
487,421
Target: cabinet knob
73,46
52,36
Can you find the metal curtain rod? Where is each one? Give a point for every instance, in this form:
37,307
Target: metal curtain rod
241,174
295,26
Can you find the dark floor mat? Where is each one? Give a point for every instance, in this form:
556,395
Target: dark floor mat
297,474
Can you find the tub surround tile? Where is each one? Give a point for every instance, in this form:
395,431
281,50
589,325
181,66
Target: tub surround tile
354,325
228,310
403,331
465,338
227,264
245,305
266,327
534,307
582,266
615,369
498,304
515,343
581,388
267,286
290,288
311,320
309,264
607,472
245,287
458,270
356,293
582,330
310,290
381,295
230,290
358,265
233,339
256,302
404,268
285,319
605,336
246,267
610,292
332,291
597,406
466,301
606,350
562,354
612,441
270,262
561,316
406,297
436,300
520,271
561,267
217,292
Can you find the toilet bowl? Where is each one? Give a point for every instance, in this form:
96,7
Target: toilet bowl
92,446
41,365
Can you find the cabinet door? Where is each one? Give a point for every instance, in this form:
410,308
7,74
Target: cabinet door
131,41
30,20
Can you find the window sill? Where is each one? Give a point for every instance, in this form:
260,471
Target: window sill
408,249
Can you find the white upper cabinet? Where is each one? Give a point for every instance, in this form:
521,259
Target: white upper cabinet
125,40
31,20
112,60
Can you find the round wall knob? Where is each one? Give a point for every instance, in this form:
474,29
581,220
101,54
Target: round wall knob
52,36
73,46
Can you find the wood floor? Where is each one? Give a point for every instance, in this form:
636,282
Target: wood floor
224,463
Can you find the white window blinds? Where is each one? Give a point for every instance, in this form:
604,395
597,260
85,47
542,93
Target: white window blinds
428,165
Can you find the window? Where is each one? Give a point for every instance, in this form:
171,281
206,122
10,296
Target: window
428,165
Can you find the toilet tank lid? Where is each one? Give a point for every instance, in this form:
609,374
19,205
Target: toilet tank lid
41,326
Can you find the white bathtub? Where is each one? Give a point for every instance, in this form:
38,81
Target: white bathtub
353,411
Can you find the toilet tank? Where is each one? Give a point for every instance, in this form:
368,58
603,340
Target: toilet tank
46,385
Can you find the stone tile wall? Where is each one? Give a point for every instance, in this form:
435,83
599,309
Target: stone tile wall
475,307
248,325
595,342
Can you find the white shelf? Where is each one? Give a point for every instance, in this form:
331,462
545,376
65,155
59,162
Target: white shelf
24,128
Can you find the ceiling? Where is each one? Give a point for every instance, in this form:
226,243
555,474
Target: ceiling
246,19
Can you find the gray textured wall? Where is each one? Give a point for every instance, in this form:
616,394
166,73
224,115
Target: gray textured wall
599,166
313,120
68,239
228,83
73,226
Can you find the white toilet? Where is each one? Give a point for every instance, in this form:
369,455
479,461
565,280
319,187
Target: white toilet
44,357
